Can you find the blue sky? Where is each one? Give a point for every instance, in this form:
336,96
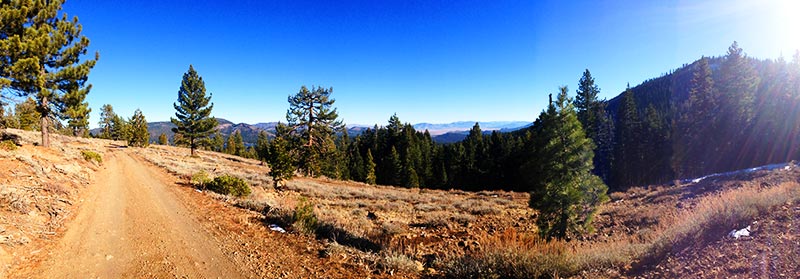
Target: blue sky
428,61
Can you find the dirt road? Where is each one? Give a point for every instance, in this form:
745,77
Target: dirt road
131,226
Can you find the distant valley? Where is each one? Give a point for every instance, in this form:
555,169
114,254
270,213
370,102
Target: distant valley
441,133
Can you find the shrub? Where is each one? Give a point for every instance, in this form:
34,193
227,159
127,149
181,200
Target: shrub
512,255
304,218
8,145
230,185
89,155
201,179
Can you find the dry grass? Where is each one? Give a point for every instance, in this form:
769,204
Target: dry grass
487,234
716,215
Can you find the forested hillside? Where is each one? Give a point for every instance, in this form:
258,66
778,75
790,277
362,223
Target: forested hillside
715,114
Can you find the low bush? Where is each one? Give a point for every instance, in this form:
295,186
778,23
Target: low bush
201,179
229,185
304,219
8,145
512,255
90,156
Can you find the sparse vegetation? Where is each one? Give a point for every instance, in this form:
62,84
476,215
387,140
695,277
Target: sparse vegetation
201,179
8,145
304,219
90,156
230,185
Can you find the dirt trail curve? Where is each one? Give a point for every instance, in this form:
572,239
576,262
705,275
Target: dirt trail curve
132,226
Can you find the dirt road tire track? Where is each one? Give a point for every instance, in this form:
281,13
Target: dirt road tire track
132,226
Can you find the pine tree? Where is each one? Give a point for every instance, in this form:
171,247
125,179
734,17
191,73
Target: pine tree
26,116
162,139
568,194
596,123
238,141
139,136
696,125
737,85
262,146
587,104
281,162
40,54
230,144
369,166
194,120
106,121
627,153
119,128
313,119
217,142
76,110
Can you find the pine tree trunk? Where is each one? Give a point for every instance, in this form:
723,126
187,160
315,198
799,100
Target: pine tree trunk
45,127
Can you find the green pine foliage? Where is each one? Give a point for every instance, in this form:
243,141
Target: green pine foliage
281,158
262,147
138,135
566,194
33,34
369,168
162,139
26,117
106,122
193,111
313,120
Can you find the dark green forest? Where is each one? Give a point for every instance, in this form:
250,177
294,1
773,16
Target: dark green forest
715,114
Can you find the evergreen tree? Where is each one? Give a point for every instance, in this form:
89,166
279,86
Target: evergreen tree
313,119
230,144
696,125
587,104
26,116
194,120
106,121
139,136
369,166
281,161
627,153
596,123
162,139
119,128
76,110
40,57
262,146
568,194
217,142
357,167
393,167
238,141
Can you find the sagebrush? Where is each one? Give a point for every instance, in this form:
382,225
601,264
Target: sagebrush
230,185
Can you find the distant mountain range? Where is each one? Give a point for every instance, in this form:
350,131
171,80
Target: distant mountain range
441,133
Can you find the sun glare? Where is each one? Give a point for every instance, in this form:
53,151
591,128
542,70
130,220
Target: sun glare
782,16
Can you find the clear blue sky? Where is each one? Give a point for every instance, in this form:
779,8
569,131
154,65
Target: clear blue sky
428,61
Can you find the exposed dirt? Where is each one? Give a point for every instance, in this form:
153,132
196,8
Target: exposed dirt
131,226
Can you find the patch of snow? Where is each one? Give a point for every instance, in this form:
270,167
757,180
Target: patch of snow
784,166
277,228
735,234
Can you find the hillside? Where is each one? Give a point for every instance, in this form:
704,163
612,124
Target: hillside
379,231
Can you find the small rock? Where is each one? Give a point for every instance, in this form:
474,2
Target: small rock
109,257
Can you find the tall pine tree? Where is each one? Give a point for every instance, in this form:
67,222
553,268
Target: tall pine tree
194,121
567,194
312,118
694,130
41,53
139,136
